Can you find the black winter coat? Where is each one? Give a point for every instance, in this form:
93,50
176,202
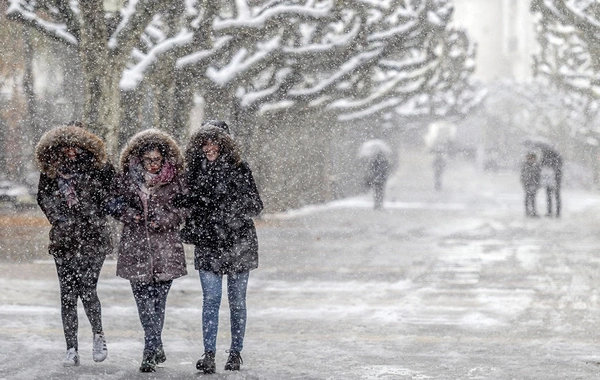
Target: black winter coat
222,199
74,193
81,229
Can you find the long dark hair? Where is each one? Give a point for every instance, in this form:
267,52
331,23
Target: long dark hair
228,150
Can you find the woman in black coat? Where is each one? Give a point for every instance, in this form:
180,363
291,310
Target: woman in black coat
222,199
73,192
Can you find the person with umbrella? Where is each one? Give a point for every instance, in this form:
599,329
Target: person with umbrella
378,168
549,158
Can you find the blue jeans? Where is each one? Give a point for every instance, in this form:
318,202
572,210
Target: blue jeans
237,284
151,300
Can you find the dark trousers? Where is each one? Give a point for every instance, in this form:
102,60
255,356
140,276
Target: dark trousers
553,192
78,278
530,203
151,300
437,179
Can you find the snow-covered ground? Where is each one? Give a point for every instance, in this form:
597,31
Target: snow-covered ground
450,285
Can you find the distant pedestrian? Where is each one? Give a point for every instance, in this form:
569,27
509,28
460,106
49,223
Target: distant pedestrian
552,159
548,182
223,199
73,192
530,179
150,250
376,177
439,165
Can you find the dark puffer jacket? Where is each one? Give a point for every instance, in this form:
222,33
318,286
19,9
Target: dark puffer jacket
149,251
223,199
378,170
74,194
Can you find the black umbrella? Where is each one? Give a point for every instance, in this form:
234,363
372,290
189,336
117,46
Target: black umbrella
550,156
539,143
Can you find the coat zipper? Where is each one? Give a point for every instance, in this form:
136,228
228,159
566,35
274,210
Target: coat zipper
145,206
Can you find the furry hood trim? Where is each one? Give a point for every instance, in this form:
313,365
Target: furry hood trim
194,153
47,150
137,143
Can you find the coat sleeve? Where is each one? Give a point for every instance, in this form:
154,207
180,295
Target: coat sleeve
47,200
119,202
107,179
168,216
192,195
246,199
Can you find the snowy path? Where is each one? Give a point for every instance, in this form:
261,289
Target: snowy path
455,285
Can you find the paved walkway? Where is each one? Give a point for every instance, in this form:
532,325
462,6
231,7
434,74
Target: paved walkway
450,285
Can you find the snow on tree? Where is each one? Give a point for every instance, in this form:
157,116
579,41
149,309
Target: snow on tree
356,59
353,57
86,27
569,57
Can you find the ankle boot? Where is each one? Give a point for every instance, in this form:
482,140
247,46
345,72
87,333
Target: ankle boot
234,361
206,364
148,362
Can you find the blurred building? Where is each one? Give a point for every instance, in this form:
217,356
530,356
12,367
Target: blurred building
505,36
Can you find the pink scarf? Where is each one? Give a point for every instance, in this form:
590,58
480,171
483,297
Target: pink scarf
166,175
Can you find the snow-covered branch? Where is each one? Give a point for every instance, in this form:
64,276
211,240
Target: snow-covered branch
135,19
240,63
348,68
245,20
20,10
568,35
133,75
202,56
370,57
353,57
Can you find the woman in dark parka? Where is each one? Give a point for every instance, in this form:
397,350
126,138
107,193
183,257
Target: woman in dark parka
73,192
150,250
222,198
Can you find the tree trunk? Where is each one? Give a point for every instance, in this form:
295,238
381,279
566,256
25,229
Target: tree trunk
30,127
183,102
131,117
162,87
102,73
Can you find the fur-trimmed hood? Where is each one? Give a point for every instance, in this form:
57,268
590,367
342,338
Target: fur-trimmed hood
138,142
194,154
47,150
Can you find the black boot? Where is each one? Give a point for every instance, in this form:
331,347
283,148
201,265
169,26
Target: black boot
159,355
148,362
234,361
206,364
